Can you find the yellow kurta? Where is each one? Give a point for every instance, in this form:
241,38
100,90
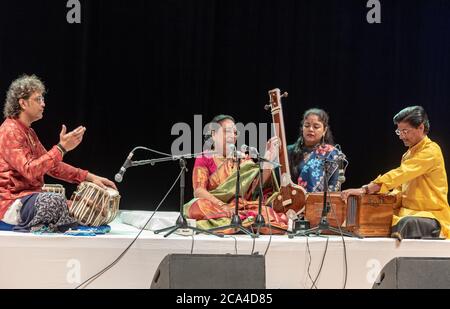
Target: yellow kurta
421,181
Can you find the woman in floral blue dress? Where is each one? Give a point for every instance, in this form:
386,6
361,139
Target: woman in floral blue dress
313,150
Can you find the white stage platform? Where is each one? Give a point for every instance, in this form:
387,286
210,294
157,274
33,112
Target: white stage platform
58,261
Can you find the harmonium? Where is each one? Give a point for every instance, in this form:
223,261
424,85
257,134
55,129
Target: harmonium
367,215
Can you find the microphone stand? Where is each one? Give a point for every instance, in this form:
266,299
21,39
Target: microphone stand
181,222
236,222
260,221
324,225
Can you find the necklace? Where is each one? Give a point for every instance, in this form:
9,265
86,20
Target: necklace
223,160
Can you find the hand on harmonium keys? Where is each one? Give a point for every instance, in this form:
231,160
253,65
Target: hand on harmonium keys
346,193
370,188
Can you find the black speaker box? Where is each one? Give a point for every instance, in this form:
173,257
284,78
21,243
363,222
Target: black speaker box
415,273
210,271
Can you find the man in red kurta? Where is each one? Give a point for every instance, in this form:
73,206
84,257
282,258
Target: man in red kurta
23,159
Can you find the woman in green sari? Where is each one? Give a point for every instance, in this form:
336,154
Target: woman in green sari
214,183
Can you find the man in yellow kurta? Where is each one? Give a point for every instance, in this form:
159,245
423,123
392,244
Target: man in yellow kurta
421,180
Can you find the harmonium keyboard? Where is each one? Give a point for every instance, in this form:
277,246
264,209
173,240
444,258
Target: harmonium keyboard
368,215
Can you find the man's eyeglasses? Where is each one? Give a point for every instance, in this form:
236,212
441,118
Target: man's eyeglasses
38,99
402,132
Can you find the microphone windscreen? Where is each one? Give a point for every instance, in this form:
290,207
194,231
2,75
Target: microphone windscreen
118,178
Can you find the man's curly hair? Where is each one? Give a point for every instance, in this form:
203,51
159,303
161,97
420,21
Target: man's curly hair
21,88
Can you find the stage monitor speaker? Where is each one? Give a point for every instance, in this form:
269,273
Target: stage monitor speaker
210,271
415,273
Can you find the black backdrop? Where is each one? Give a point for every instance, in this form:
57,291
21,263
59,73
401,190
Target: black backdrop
132,69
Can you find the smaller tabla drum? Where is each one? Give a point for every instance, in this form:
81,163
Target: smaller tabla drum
54,188
94,206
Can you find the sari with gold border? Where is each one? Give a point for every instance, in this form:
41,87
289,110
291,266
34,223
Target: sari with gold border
218,177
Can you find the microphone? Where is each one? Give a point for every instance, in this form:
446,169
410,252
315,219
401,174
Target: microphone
123,169
244,148
252,151
236,154
254,154
231,150
249,150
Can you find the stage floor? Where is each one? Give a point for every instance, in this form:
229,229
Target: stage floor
59,261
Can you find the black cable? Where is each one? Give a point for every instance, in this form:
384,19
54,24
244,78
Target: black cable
151,150
326,245
328,198
97,275
253,247
342,234
343,243
192,247
235,242
270,230
309,264
268,218
321,264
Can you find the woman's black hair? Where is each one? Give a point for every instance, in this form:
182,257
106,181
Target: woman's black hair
217,119
299,148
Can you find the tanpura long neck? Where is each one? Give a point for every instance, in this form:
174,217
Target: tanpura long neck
278,121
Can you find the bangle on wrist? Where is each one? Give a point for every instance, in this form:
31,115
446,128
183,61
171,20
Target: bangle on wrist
365,189
61,148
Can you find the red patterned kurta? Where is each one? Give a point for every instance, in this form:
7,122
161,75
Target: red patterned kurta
24,162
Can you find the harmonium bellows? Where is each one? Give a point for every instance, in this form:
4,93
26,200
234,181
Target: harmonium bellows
368,215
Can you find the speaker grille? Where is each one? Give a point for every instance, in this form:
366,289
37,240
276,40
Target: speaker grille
210,271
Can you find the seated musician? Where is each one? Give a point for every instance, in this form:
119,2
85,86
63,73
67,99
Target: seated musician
24,161
214,183
420,182
306,156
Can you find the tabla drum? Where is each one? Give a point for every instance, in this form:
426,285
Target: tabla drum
54,188
94,206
